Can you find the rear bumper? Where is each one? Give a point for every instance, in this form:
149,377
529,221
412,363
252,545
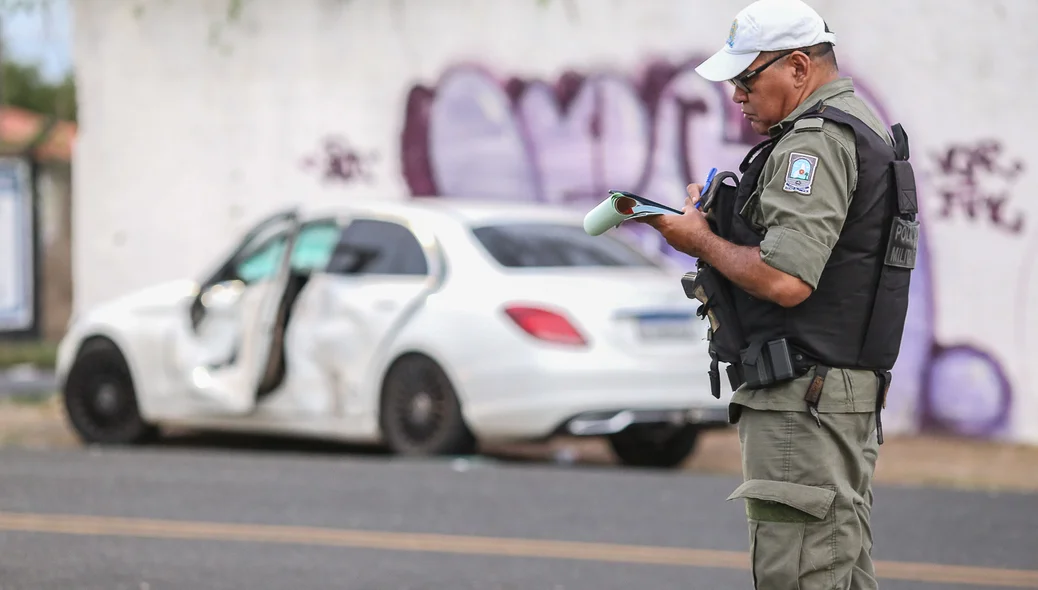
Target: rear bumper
583,396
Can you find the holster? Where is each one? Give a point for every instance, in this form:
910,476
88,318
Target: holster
724,333
766,363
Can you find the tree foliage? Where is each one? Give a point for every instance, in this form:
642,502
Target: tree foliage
24,87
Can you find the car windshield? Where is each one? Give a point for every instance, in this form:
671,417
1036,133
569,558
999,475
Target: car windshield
547,245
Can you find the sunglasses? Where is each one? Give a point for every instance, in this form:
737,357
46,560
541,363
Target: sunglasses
742,80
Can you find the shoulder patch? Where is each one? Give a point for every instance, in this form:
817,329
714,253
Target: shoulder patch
812,124
800,173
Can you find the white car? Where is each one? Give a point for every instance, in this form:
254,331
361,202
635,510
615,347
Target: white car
425,325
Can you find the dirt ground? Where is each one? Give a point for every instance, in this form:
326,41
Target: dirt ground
915,460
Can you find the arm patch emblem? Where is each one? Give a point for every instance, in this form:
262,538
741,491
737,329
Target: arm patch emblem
800,173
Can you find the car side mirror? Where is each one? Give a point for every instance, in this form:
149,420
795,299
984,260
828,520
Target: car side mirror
222,295
215,298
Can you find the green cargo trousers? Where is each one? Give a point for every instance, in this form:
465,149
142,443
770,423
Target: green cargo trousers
808,494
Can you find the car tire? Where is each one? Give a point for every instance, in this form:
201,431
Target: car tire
420,412
659,446
100,398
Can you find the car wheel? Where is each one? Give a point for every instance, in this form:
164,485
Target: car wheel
654,445
420,412
100,398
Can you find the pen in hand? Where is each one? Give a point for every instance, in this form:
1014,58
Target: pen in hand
706,187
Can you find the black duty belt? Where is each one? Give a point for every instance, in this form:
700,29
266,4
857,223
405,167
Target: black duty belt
767,363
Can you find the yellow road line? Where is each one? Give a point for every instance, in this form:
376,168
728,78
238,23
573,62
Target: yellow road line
470,545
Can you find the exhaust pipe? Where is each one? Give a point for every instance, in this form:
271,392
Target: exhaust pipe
605,423
599,426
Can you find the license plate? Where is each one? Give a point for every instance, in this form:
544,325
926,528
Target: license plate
665,327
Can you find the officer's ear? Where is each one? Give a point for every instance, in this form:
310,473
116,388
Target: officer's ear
801,67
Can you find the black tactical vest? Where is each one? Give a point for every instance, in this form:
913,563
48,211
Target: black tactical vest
855,317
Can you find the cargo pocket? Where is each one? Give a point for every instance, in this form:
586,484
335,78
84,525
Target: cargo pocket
790,531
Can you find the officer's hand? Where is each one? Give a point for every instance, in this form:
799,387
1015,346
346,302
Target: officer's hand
693,195
686,232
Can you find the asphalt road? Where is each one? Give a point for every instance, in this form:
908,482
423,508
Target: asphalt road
208,519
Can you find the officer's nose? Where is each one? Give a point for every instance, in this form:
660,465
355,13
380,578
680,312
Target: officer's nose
738,95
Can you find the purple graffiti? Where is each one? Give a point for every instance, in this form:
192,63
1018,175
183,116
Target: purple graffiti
570,141
567,142
341,162
963,368
975,180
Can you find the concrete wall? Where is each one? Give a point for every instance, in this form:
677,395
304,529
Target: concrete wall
187,136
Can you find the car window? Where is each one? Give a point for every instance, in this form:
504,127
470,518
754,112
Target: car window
312,250
314,246
549,245
373,246
262,263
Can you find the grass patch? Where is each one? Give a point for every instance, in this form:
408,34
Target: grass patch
41,354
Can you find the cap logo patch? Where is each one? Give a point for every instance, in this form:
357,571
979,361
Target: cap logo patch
731,33
801,173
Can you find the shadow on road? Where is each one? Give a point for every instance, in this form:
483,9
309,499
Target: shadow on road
202,440
533,453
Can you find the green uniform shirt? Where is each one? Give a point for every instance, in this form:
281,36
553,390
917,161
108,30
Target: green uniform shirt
800,203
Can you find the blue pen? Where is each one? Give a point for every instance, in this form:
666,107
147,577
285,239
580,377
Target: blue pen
706,187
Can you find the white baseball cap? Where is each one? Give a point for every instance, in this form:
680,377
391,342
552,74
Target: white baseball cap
765,25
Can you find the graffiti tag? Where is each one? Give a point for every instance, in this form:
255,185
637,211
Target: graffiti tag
976,180
340,162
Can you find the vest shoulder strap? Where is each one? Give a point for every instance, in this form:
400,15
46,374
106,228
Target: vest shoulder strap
836,115
863,132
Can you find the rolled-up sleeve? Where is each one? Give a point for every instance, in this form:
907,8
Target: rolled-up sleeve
803,220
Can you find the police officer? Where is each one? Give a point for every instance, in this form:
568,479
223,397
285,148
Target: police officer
804,269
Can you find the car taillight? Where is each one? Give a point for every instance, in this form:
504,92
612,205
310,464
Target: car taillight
545,324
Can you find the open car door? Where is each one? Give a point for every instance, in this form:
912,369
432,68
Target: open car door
374,282
242,309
